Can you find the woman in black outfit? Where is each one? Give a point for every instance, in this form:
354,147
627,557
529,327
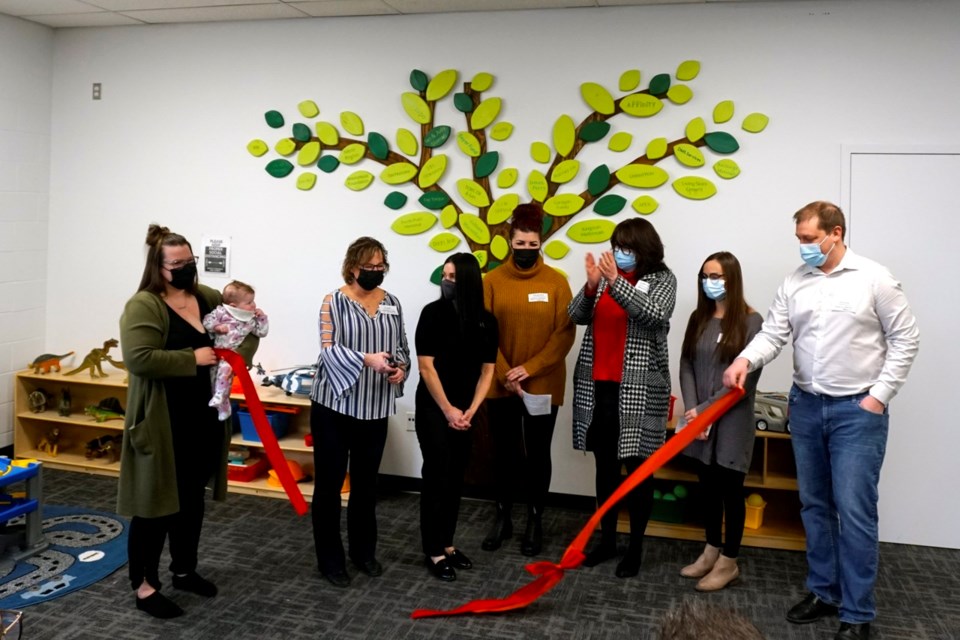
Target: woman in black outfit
456,345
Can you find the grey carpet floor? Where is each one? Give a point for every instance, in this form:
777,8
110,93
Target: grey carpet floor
261,555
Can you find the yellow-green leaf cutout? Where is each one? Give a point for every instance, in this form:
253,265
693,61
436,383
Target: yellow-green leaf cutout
448,216
696,129
642,176
468,143
351,123
416,107
327,133
407,142
501,131
598,98
482,81
540,152
308,153
502,208
565,204
755,122
308,109
537,185
444,242
305,181
257,148
688,70
398,173
481,257
413,223
441,84
433,170
285,147
620,141
474,228
723,111
641,105
694,187
358,180
645,205
352,153
564,134
726,169
565,171
679,94
688,155
556,249
629,80
499,247
473,193
591,231
507,178
656,148
485,113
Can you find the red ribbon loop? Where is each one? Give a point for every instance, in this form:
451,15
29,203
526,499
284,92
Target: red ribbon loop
549,573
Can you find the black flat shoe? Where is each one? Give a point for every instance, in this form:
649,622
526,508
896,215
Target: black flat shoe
459,560
370,567
338,578
600,553
850,631
159,606
193,583
810,609
441,569
629,566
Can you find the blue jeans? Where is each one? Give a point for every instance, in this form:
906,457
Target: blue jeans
839,450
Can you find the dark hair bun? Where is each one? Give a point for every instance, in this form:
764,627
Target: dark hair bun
156,234
527,217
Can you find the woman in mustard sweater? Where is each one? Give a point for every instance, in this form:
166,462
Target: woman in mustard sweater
529,300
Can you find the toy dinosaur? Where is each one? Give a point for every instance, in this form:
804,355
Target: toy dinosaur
50,443
48,362
93,360
106,409
104,446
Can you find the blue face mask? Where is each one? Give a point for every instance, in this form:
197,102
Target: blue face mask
625,260
812,255
715,289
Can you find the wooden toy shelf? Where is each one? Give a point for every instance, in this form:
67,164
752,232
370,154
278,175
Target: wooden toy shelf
772,474
77,429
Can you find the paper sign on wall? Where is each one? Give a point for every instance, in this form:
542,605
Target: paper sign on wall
215,257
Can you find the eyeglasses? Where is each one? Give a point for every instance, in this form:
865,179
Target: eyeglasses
711,276
374,267
176,264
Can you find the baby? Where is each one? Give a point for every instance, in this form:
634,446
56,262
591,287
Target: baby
230,323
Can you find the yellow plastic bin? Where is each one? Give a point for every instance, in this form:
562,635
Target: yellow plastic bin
755,505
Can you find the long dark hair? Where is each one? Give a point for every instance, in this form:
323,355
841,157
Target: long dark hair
468,294
640,238
733,325
157,238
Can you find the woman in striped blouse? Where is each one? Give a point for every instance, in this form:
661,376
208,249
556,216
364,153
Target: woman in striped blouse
363,363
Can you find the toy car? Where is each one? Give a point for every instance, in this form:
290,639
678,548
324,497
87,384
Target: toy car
298,380
771,411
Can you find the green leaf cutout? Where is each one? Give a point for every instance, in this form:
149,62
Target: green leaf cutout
418,80
463,102
279,168
659,84
274,119
436,136
594,131
598,180
437,275
487,164
328,164
721,142
591,231
301,132
609,205
434,200
395,200
378,145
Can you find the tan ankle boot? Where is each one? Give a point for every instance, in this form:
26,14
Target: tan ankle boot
704,563
723,573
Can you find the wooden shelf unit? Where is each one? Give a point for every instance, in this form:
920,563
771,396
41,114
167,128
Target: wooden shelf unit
772,474
77,428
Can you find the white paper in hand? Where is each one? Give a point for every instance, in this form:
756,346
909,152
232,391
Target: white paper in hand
537,404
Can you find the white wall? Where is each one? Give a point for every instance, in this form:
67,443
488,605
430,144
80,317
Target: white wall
26,55
180,103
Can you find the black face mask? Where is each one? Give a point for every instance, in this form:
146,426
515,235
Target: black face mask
525,258
369,280
448,289
183,277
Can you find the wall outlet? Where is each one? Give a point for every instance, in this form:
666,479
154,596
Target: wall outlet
96,90
411,421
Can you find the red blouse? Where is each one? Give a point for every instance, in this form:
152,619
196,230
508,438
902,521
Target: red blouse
610,335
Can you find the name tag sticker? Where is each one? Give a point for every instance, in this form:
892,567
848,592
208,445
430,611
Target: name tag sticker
642,286
389,309
538,297
842,306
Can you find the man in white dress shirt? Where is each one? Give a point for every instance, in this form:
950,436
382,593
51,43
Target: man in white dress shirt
854,339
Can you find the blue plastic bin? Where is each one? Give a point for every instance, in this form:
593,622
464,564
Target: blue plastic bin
279,422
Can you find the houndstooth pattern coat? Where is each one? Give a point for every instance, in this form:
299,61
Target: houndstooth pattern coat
645,388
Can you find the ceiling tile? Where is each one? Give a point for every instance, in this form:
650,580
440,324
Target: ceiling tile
43,7
98,19
447,6
217,14
142,5
324,8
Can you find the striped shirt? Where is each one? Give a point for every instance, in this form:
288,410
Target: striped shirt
346,333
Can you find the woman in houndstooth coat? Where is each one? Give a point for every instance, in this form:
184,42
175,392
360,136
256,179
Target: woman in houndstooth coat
622,378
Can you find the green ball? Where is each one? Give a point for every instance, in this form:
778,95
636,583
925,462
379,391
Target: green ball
680,491
755,500
669,497
657,494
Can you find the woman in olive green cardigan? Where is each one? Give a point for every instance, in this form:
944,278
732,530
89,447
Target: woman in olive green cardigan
173,444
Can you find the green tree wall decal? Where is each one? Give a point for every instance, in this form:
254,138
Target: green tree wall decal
474,211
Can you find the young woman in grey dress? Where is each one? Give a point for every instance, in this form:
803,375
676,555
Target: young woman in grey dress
717,331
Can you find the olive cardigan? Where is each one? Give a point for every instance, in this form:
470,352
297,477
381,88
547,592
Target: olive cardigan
147,486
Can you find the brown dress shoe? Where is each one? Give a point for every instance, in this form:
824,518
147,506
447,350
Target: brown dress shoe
703,564
723,573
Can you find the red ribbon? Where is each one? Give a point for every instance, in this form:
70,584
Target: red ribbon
262,425
549,574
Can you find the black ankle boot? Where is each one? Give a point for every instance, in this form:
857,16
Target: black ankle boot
502,528
532,541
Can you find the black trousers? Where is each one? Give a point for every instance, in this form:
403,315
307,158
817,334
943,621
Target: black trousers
445,455
196,448
337,438
722,491
521,451
602,438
